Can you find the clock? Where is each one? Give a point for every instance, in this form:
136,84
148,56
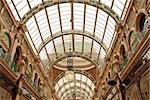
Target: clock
5,37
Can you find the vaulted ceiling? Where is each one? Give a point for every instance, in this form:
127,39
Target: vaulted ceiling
85,26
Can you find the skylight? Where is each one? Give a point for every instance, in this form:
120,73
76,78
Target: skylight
56,19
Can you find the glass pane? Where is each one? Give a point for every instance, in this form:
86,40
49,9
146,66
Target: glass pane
118,6
31,43
22,7
107,2
102,53
65,12
96,48
100,24
109,31
43,57
54,18
78,76
78,43
78,16
82,87
84,78
59,45
34,3
42,54
43,24
90,18
50,50
87,45
125,9
68,42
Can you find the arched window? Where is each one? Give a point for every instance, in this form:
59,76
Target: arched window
30,71
109,75
123,56
35,83
140,22
16,57
26,60
17,54
39,80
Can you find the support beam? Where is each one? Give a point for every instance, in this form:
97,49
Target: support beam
69,32
74,54
76,71
45,4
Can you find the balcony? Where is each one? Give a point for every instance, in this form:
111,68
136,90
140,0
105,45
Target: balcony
33,84
6,58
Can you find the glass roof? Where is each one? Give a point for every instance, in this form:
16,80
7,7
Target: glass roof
56,19
82,86
85,28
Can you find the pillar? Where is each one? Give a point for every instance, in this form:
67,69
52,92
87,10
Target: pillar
116,63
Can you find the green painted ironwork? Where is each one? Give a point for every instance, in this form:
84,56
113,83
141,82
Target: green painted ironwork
7,59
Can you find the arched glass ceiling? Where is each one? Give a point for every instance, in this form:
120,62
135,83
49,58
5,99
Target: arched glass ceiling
82,86
69,16
20,7
76,96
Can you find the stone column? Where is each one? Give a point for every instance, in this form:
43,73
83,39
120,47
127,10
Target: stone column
18,88
116,63
33,75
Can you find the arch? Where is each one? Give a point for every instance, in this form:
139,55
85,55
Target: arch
129,38
140,21
70,94
39,81
77,81
29,71
30,68
76,88
78,92
106,79
76,71
70,32
16,58
123,56
122,51
78,66
80,82
74,54
35,79
109,75
26,60
45,4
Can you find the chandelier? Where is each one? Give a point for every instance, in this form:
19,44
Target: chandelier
69,74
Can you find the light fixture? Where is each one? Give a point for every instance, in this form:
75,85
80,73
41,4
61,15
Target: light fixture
121,85
69,74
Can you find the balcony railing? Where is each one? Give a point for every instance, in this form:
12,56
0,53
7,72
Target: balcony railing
6,58
33,84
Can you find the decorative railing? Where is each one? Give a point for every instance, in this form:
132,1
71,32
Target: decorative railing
6,58
33,84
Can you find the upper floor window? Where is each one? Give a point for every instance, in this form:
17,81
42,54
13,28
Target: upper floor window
141,22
